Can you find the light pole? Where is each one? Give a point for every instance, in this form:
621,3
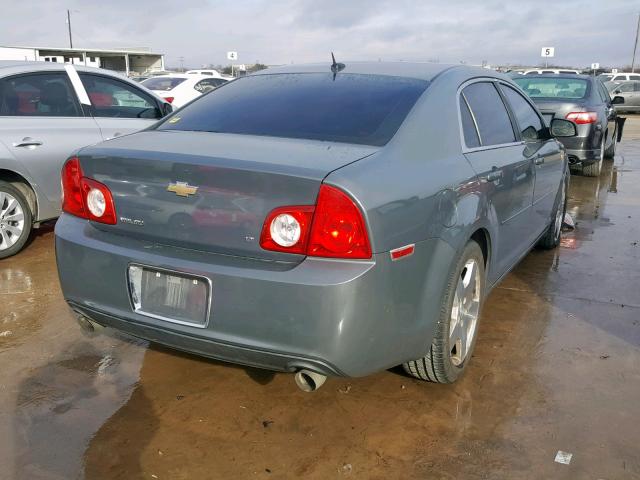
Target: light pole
69,25
635,45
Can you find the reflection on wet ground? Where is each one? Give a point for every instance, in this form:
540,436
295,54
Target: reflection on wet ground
556,368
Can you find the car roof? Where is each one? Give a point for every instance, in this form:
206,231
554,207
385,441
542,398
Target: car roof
422,71
569,76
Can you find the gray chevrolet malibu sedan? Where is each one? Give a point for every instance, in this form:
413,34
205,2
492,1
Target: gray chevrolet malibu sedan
323,220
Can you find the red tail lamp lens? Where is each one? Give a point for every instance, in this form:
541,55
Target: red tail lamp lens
338,230
71,192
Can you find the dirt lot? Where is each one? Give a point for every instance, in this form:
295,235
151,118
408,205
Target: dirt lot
557,367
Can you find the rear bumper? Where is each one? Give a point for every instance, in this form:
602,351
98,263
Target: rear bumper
583,149
336,317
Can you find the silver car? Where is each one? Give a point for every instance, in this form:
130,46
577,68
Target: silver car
48,110
630,91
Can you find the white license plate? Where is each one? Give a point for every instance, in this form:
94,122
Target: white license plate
170,296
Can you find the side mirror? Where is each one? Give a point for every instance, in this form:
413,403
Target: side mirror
563,128
166,109
617,100
616,91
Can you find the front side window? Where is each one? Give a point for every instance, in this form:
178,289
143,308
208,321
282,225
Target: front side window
554,87
625,87
38,95
350,108
487,107
111,97
528,120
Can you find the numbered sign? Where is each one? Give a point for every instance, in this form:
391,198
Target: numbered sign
232,55
547,52
595,66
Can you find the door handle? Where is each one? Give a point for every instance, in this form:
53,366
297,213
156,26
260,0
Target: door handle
539,160
494,175
28,142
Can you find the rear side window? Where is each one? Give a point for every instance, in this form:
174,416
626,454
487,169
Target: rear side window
161,83
528,120
203,86
487,107
38,95
350,108
469,131
111,97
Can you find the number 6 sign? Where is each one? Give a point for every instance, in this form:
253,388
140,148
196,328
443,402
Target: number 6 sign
547,52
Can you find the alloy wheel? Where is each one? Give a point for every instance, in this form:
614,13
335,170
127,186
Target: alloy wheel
11,220
465,312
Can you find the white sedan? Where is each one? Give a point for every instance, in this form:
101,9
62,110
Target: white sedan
179,89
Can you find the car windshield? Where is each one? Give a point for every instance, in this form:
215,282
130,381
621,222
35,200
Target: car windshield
350,108
549,87
163,83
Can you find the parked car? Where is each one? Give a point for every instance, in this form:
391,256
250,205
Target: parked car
585,101
379,204
47,111
179,89
618,77
210,72
557,71
630,91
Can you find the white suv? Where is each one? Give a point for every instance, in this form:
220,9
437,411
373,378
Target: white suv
619,77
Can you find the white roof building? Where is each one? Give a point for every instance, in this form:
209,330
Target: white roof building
128,61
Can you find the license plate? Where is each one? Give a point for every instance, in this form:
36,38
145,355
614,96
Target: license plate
170,296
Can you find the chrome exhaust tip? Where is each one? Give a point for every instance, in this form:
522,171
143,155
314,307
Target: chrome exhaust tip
88,327
309,381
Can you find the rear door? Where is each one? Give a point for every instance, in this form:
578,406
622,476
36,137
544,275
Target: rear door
542,150
495,152
42,123
118,106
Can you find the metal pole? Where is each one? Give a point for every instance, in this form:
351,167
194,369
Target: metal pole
635,45
69,25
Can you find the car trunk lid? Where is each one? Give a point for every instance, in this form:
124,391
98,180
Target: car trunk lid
209,191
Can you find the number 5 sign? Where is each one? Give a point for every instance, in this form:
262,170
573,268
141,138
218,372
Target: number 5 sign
547,52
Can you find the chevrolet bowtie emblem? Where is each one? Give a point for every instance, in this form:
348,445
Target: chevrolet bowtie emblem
182,189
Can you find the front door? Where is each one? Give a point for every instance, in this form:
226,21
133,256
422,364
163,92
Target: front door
543,151
118,107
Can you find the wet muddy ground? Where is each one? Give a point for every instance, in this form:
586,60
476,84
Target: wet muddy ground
557,367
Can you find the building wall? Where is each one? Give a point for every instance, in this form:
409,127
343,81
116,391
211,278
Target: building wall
18,54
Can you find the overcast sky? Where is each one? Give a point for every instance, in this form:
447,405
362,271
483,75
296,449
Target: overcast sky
285,31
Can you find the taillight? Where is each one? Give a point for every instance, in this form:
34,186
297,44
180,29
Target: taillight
169,99
582,118
338,227
71,191
334,228
85,197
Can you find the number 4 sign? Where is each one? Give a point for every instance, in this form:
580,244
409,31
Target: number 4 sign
547,52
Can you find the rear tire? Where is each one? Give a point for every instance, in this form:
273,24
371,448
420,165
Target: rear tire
551,238
611,151
595,168
15,220
449,353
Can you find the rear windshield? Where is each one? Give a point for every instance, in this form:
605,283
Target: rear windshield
350,108
162,83
549,87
